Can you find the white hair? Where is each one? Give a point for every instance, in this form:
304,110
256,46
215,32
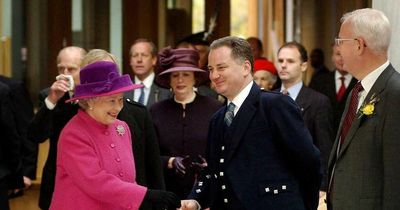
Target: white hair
373,26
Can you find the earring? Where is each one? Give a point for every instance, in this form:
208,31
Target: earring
90,108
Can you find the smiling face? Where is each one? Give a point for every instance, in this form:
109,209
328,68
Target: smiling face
105,109
290,66
142,61
182,82
229,76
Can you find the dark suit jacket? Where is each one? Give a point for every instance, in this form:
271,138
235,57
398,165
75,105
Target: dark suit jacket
146,150
269,161
317,114
325,84
157,94
10,148
367,167
23,115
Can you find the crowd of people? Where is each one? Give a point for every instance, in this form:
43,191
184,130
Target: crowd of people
212,126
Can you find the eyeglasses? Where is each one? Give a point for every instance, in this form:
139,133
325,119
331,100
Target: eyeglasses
339,41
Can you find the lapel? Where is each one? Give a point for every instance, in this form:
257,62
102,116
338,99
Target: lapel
303,100
242,120
376,89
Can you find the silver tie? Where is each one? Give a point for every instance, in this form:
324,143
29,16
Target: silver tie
229,114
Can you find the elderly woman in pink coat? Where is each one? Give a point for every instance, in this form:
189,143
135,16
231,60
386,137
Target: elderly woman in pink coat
95,164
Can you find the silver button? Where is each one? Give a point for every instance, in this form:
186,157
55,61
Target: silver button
276,192
267,189
223,148
198,191
200,184
221,160
223,187
283,187
221,173
225,200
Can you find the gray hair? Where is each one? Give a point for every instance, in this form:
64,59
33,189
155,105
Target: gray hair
84,103
372,25
241,49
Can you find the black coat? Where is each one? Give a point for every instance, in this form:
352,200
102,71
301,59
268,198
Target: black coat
10,148
23,115
317,113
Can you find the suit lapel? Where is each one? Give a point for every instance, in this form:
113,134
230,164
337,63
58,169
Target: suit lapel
242,120
375,91
302,101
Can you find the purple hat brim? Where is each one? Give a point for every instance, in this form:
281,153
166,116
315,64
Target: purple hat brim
163,80
89,92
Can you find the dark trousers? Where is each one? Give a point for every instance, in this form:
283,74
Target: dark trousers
4,195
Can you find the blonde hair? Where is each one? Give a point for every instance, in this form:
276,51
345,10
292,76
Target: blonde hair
98,55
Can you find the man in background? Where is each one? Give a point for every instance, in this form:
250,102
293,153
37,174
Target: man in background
336,85
143,61
315,107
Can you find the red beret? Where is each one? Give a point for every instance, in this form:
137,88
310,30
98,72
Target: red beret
264,64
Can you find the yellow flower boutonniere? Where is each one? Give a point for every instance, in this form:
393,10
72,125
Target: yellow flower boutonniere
368,108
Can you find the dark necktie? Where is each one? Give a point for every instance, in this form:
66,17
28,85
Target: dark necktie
342,90
229,114
141,97
351,111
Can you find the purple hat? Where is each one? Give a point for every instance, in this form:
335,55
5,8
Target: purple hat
182,59
101,78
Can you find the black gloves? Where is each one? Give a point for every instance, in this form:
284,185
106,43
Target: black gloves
179,165
163,199
195,165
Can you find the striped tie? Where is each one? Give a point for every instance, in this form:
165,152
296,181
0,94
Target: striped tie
229,114
141,96
351,111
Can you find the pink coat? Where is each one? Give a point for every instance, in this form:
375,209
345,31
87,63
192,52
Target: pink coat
95,167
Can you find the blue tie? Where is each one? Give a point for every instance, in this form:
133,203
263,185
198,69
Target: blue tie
141,97
229,114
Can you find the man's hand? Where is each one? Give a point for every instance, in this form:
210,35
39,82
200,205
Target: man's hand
27,182
189,205
57,90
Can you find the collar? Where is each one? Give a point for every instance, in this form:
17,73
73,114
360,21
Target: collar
338,75
370,79
294,90
146,82
239,99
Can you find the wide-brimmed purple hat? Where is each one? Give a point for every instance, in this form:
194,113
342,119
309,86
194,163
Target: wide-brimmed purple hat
182,59
101,78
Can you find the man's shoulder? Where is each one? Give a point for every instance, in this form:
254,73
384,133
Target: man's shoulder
129,103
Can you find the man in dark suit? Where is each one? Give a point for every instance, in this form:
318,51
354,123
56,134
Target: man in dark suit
259,152
336,85
143,60
53,114
23,108
315,107
364,164
10,149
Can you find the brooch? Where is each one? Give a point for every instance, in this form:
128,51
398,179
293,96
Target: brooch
369,107
120,130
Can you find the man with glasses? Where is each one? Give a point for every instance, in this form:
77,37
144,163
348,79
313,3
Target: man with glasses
364,162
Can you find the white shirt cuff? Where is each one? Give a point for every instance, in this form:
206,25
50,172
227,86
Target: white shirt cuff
49,104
